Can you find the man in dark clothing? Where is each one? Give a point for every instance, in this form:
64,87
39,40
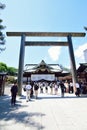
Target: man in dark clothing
62,86
14,90
36,87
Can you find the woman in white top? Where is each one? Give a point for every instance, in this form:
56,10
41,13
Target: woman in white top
28,92
77,89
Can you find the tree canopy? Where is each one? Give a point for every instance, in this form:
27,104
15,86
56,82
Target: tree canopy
3,67
12,71
2,36
9,70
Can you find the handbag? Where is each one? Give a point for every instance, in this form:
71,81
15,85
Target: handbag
24,89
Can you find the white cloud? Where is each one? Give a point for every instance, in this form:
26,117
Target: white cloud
79,52
54,52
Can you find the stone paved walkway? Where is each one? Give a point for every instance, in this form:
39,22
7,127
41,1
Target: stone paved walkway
48,112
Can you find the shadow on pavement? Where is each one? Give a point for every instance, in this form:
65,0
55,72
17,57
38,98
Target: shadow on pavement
9,113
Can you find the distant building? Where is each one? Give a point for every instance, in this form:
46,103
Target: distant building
82,72
85,55
43,71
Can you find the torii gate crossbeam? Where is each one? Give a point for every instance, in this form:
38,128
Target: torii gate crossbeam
24,43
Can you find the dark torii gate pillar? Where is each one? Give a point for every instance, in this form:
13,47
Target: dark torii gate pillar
72,60
49,43
21,64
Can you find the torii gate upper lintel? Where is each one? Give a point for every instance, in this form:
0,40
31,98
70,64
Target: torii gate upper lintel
24,43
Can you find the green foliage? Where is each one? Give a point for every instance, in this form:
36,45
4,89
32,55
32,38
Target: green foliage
2,36
2,6
12,71
3,67
2,27
10,79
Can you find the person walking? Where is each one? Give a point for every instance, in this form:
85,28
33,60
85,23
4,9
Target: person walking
46,88
51,88
56,88
62,86
36,87
71,87
77,93
14,90
28,91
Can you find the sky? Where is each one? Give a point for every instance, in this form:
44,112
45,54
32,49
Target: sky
44,16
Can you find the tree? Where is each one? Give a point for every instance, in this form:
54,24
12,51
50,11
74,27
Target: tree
12,71
2,36
4,71
85,28
3,67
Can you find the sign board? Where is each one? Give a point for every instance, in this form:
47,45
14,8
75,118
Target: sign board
37,77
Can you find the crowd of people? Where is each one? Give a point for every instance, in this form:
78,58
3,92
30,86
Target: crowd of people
32,89
55,87
43,87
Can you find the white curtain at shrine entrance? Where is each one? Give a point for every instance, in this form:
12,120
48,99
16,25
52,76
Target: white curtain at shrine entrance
37,77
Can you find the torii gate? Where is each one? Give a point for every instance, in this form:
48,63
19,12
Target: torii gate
24,43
